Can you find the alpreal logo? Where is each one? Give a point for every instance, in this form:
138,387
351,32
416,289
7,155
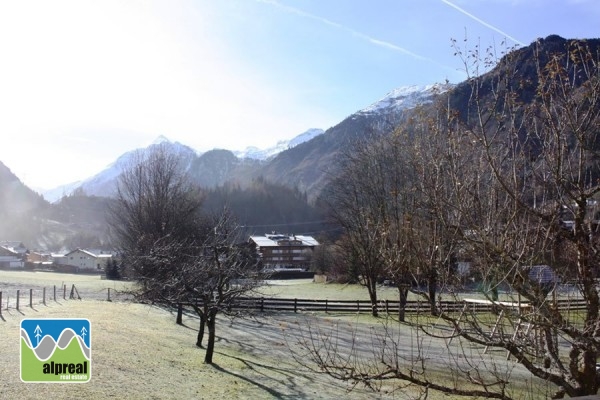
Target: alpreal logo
56,350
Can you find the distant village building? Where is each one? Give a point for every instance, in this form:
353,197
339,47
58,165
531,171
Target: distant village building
9,258
16,246
285,252
39,259
81,260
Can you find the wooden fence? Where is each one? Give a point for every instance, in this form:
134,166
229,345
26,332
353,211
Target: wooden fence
364,306
266,304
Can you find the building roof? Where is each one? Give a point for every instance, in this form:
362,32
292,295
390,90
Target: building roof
80,251
271,240
91,253
308,240
13,245
7,251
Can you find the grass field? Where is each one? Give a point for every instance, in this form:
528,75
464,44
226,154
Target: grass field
306,289
138,352
89,286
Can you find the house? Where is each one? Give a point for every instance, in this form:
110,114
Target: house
9,258
81,260
284,252
38,259
15,246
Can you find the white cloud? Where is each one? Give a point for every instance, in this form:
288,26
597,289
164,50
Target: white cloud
482,22
370,39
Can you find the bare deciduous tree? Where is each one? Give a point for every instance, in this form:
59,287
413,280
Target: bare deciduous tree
176,254
222,269
155,204
512,187
355,201
385,200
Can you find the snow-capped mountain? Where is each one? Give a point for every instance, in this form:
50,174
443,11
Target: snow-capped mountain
57,193
379,116
264,154
104,182
405,98
310,166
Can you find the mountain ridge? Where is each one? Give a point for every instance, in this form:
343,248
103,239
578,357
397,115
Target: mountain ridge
103,183
219,166
304,167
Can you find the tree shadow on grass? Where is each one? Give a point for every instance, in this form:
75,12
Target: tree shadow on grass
188,327
173,311
291,377
288,377
11,311
267,389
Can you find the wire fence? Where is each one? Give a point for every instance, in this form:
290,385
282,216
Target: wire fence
21,298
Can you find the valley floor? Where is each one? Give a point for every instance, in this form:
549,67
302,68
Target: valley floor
138,352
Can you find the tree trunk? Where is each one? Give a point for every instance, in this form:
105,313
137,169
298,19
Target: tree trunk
432,289
210,347
373,297
179,314
584,360
403,290
201,331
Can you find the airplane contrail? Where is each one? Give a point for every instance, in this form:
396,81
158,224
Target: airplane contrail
482,22
372,40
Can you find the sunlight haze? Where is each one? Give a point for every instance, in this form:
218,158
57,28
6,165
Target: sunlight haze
82,82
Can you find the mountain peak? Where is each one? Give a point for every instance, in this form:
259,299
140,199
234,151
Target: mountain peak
161,139
264,154
406,97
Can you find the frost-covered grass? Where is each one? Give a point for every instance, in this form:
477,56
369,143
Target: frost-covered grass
138,352
307,289
88,286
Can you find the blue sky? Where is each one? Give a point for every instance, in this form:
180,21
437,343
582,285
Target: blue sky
81,82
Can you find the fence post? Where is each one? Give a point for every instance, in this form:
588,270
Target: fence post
64,292
74,292
295,305
358,306
44,295
18,299
262,304
179,314
0,304
108,299
387,307
325,305
54,292
30,298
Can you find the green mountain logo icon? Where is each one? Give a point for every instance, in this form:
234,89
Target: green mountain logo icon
55,350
